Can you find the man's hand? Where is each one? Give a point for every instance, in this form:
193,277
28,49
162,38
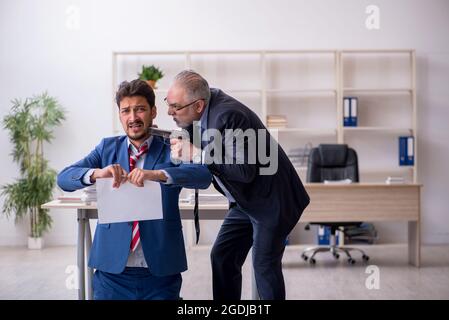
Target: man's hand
114,170
184,151
138,176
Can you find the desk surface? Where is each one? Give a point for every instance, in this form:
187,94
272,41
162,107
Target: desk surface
344,202
361,185
329,202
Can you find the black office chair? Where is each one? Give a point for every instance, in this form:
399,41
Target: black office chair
332,162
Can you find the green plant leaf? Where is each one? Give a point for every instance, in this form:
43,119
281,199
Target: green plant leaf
31,123
150,73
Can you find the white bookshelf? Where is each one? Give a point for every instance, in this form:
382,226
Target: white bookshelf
384,83
308,87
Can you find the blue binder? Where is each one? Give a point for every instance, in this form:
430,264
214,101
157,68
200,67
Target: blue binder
346,111
353,117
350,111
406,151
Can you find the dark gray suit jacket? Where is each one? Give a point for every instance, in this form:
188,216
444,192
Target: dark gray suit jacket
275,201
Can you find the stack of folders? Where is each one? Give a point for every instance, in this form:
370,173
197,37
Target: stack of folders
70,198
89,194
205,198
350,111
276,121
394,180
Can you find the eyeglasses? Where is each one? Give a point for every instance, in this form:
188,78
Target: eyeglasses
176,107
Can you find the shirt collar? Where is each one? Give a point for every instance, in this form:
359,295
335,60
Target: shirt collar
134,149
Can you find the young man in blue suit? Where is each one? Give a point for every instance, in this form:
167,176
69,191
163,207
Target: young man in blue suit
137,260
263,208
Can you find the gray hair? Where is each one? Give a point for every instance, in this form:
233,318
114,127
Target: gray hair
194,84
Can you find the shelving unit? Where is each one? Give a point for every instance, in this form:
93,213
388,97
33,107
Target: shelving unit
307,86
384,82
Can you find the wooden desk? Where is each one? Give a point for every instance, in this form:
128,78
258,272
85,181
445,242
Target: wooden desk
353,202
346,202
369,202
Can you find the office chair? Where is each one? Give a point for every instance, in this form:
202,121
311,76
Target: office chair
332,162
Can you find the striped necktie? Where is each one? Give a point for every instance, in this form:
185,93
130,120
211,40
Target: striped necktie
135,239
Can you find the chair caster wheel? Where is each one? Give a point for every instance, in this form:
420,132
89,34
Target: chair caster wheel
336,256
365,257
351,261
304,257
312,261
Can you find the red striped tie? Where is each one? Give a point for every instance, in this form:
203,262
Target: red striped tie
132,164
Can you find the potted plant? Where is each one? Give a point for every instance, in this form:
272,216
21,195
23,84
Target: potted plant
30,124
151,74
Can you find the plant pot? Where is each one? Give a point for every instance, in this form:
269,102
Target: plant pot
152,84
35,243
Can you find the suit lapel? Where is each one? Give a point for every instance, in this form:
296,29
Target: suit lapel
153,153
122,153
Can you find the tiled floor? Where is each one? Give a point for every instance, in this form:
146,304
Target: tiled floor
46,274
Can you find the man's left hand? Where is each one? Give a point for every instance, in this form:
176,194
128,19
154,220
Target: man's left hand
138,176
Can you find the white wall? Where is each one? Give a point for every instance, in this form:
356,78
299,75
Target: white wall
38,52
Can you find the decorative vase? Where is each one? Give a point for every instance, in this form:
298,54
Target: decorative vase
35,243
152,84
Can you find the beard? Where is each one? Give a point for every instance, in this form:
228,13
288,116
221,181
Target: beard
139,135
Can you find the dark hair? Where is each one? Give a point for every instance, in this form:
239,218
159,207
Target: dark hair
135,88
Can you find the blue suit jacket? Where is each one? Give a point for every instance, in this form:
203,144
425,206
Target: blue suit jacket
162,240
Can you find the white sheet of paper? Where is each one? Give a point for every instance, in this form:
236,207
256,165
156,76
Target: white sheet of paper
128,202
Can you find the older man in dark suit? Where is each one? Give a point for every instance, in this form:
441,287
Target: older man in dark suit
265,204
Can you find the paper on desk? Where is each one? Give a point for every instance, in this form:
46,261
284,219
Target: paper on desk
128,202
345,181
